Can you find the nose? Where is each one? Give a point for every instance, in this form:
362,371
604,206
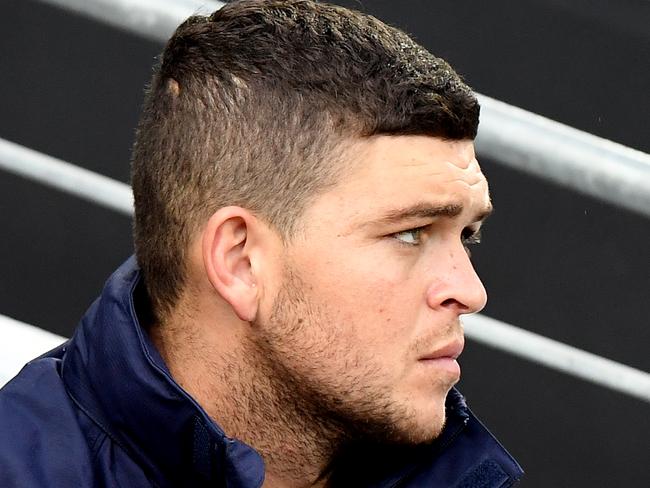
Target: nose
456,286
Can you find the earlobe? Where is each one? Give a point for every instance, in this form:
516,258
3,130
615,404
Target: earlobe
226,246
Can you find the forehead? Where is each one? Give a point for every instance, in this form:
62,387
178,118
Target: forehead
385,173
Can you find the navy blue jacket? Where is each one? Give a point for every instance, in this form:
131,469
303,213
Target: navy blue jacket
102,410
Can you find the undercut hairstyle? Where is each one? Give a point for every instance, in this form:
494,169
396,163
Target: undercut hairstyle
253,106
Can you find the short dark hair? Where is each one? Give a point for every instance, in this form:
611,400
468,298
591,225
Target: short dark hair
252,106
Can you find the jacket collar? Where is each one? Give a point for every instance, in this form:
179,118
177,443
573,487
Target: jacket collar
115,375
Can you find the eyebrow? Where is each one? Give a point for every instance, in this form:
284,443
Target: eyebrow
426,210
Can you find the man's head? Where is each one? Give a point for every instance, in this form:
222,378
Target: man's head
310,171
256,105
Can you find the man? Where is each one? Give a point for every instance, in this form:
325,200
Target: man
305,191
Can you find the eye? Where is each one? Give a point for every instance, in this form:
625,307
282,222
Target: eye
470,237
410,237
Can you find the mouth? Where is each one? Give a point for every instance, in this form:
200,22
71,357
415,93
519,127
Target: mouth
445,357
450,350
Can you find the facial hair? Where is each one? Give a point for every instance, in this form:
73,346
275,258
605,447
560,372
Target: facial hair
311,394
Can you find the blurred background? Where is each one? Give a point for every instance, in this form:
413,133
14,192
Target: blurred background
554,262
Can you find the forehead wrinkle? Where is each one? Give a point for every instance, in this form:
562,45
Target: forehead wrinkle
469,184
471,175
418,163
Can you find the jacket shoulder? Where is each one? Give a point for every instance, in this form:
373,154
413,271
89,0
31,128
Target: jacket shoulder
42,441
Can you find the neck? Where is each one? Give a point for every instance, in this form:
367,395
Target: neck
228,378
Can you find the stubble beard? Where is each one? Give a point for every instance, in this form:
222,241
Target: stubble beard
317,399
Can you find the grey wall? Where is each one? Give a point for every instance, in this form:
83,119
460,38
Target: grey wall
554,262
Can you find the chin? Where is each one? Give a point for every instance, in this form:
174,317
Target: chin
429,428
426,422
418,424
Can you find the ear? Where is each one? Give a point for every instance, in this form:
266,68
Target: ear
226,247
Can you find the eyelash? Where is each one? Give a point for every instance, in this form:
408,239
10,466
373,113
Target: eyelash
469,237
416,230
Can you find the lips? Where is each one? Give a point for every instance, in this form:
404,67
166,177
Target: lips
443,360
450,350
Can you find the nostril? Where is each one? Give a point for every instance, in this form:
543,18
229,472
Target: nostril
448,302
457,306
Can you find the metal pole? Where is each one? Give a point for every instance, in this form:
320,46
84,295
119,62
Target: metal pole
66,177
558,356
20,343
153,19
569,157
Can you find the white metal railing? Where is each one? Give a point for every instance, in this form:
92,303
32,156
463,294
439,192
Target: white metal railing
66,177
153,19
20,343
520,139
569,157
557,355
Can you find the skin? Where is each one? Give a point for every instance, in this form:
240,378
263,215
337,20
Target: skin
344,333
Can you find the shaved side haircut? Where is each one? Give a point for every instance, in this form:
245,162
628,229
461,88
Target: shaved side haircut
253,106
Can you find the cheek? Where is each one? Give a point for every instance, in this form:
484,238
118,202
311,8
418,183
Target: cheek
375,300
376,315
